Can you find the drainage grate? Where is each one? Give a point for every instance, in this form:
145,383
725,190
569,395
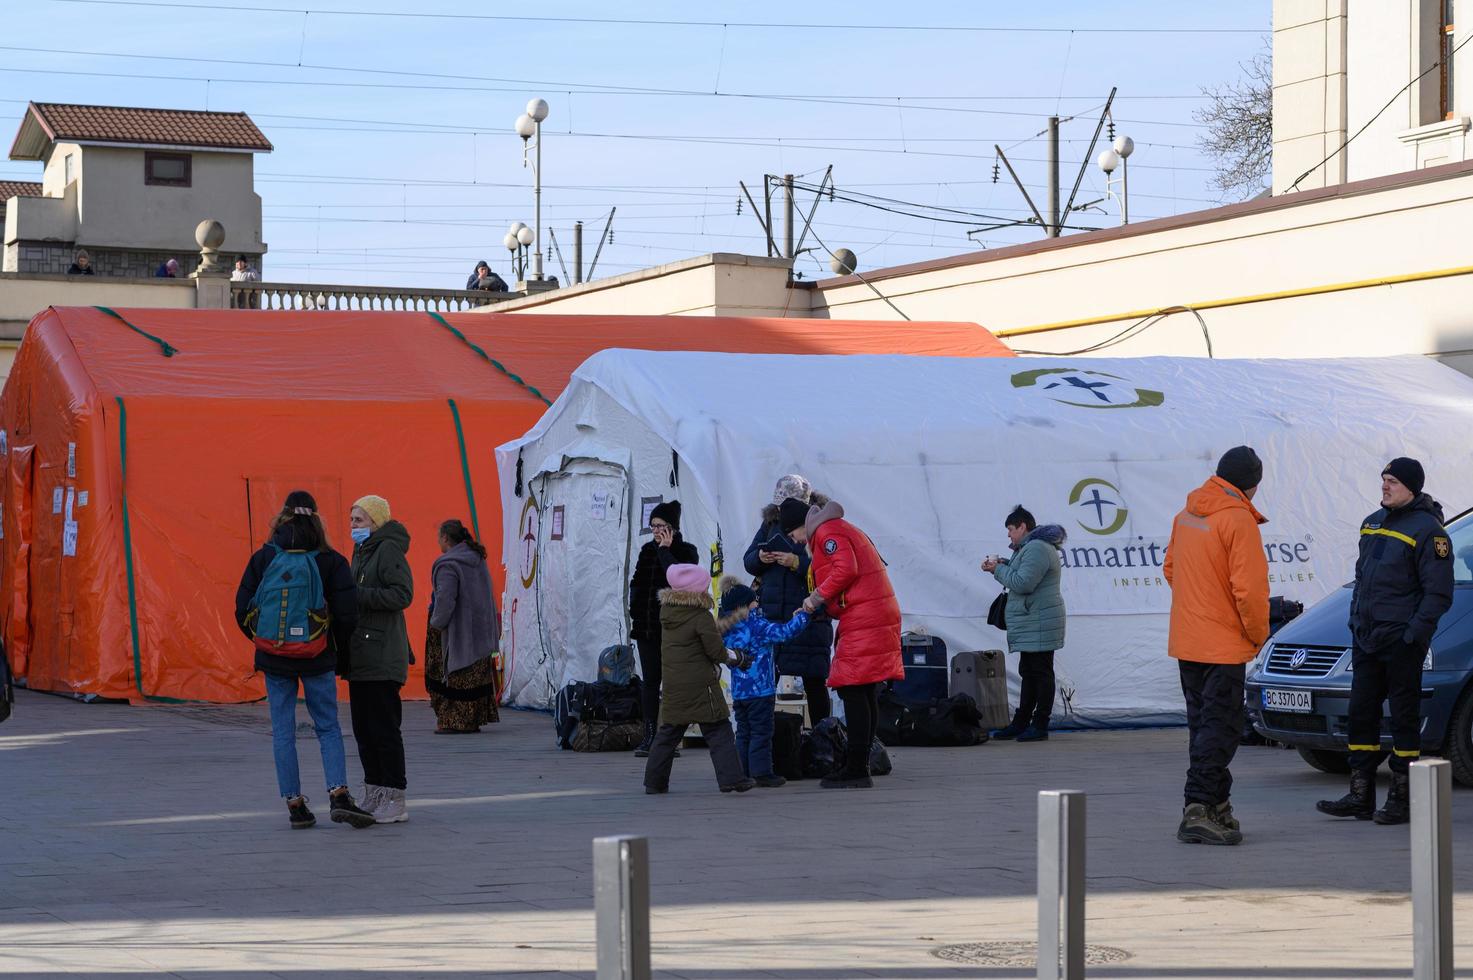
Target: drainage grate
1020,954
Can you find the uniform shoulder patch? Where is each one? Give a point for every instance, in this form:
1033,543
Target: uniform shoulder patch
830,546
1441,546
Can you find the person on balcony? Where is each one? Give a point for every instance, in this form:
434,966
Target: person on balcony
483,278
81,265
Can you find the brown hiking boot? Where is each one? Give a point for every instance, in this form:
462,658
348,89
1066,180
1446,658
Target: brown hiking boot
1199,825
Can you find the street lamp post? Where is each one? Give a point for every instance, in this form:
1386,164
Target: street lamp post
528,126
1118,157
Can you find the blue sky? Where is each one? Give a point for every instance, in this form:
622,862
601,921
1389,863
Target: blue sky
396,163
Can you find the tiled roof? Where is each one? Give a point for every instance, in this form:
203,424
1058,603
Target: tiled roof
58,122
18,188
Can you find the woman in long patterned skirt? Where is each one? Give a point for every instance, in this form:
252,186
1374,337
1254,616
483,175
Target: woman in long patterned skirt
460,647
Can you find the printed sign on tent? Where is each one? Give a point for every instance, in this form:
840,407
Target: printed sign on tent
559,515
56,500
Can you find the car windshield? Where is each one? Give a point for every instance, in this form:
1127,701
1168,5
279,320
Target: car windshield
1461,531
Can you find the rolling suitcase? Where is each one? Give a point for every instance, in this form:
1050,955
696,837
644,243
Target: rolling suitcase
924,657
982,676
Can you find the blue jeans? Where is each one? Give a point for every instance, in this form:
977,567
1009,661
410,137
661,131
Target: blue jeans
321,691
754,734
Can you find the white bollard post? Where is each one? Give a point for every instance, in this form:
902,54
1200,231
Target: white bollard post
1061,885
621,907
1432,869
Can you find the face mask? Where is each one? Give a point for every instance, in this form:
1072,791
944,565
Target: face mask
360,534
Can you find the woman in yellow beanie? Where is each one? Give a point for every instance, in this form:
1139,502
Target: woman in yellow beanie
380,655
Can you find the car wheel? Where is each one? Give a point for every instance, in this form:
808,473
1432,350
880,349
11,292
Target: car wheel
1459,749
1325,760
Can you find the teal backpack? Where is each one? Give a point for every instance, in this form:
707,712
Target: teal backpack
288,616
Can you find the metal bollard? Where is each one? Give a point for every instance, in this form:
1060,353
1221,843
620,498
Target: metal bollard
621,907
1432,869
1061,884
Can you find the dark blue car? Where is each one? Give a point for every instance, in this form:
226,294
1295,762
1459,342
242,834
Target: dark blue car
1298,688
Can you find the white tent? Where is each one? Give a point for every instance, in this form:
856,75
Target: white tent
928,454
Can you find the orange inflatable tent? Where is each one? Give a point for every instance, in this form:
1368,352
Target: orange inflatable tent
146,452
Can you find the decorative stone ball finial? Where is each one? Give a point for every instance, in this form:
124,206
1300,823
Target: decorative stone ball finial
210,235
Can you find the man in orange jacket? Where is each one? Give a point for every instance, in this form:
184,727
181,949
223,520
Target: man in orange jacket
1218,575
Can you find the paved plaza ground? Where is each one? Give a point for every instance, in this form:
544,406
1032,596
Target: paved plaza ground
148,840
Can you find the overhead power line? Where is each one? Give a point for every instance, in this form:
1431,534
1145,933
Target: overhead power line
885,102
650,22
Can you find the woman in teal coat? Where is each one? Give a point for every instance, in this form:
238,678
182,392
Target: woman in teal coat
1035,615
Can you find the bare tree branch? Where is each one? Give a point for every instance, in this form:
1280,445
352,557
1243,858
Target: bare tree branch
1239,134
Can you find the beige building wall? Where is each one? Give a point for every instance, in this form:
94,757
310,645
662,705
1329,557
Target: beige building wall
1295,278
115,206
1340,63
723,284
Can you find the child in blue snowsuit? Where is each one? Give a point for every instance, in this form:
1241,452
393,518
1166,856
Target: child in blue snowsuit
754,689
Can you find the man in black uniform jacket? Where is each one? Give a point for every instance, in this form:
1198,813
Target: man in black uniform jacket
1403,585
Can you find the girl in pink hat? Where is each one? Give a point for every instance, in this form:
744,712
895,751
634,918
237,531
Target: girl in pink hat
691,653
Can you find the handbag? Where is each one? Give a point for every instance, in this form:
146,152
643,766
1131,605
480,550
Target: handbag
997,613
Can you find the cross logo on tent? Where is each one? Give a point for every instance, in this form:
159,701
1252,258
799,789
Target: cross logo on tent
1104,506
1087,389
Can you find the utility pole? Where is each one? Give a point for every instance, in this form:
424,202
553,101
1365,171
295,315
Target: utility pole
1053,177
577,251
788,216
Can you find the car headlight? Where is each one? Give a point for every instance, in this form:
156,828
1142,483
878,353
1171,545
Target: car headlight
1427,660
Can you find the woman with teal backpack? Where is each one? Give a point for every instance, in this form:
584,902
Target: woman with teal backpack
1035,618
299,629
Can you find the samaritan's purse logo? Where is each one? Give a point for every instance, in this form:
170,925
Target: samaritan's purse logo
527,528
1087,389
1103,506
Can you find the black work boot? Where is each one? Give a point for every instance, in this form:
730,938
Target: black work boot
1398,808
1359,803
1016,727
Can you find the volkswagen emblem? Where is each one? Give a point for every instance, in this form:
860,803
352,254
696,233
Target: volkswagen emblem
1297,660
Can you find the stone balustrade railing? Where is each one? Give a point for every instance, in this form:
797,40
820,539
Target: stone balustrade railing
316,296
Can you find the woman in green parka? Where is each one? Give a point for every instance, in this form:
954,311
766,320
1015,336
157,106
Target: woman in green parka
380,655
1035,615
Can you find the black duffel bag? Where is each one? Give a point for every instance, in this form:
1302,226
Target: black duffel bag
940,721
824,749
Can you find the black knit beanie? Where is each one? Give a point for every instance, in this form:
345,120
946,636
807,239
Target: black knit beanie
669,512
791,514
1408,471
736,597
1241,467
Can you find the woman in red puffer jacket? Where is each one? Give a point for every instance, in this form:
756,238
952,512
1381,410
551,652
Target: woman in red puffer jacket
850,581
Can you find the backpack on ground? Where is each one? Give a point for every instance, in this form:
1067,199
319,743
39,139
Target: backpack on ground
897,720
288,615
616,664
566,711
618,703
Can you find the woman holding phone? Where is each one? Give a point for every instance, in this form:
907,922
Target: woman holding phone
781,565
